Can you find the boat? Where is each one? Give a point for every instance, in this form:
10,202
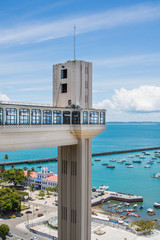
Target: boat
147,166
154,158
147,153
97,159
128,163
141,207
137,161
130,166
92,163
150,162
131,156
120,161
135,205
137,155
157,204
150,211
104,164
110,166
39,166
126,204
103,188
142,157
112,160
156,175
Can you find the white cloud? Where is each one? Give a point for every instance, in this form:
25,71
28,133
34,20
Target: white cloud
3,97
31,32
145,99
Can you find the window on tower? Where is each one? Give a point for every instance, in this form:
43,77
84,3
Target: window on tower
64,73
64,88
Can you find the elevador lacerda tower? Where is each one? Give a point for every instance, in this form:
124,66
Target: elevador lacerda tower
70,123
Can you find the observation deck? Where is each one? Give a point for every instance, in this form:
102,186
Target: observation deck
30,125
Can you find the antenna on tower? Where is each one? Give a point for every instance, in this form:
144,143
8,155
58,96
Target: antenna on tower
74,42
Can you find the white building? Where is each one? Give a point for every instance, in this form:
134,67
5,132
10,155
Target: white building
43,179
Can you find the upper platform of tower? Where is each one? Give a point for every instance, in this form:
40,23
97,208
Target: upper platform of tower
69,118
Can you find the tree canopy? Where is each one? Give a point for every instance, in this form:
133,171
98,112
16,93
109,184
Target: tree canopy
145,225
4,230
13,175
10,200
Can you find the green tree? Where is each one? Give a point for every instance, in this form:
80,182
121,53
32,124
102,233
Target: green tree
145,225
41,194
4,230
32,169
10,200
15,176
32,188
12,166
25,168
6,157
55,189
2,168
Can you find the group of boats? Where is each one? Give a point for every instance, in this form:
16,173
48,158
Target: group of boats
133,211
130,164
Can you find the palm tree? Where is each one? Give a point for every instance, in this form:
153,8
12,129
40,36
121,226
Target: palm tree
32,188
6,157
32,169
25,168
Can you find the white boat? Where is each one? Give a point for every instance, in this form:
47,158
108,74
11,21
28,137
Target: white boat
157,204
142,157
131,156
147,153
135,205
112,160
147,166
150,162
97,159
126,204
156,175
103,188
130,166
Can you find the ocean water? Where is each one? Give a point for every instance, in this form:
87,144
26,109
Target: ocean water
137,180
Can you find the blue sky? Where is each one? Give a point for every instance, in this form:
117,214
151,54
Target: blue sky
120,37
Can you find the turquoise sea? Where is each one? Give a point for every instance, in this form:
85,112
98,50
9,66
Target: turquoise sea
137,180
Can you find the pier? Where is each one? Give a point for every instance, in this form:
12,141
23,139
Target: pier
31,161
123,197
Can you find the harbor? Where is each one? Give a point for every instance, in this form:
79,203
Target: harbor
108,196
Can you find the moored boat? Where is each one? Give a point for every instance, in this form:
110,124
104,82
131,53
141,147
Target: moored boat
150,211
157,204
97,159
110,166
147,166
137,161
105,164
130,166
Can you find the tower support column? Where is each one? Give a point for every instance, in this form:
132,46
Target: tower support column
74,191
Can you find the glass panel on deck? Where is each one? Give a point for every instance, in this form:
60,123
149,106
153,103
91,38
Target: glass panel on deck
56,117
47,117
1,116
11,116
102,117
85,117
75,117
66,117
93,117
24,116
36,116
